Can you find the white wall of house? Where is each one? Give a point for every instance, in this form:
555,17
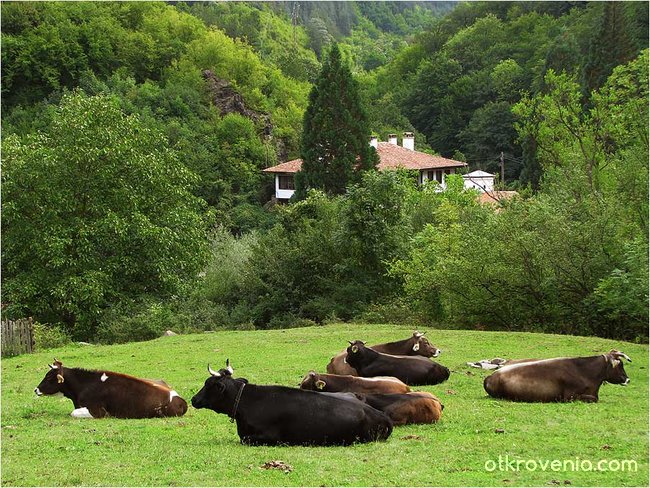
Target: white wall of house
480,180
282,194
439,175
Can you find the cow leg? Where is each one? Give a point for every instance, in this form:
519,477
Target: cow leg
587,398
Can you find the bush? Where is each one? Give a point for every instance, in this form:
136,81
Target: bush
49,336
151,322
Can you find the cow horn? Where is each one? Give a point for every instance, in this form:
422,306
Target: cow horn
228,367
213,373
351,342
619,354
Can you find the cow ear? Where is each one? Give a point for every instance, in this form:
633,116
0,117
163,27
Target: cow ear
416,346
320,384
354,349
614,362
60,378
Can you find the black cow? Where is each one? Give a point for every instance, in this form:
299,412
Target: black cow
416,345
557,379
105,393
412,370
281,415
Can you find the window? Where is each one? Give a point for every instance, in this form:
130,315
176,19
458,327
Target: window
430,174
439,176
285,182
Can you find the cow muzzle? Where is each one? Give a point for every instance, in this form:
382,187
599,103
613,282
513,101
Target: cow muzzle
626,382
437,353
38,392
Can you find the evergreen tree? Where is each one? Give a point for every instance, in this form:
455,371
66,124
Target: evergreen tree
335,145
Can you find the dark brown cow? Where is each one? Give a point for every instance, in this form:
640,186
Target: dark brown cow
558,379
416,345
97,394
417,407
346,383
412,370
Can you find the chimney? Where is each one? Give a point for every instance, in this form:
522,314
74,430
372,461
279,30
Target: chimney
408,141
374,141
392,139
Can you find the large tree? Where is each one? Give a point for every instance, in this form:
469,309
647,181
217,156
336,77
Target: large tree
335,145
97,211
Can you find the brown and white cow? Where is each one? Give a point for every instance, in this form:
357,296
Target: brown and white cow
416,345
416,407
97,394
335,383
557,379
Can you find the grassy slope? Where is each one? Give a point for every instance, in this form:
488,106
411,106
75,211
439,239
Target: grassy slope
43,445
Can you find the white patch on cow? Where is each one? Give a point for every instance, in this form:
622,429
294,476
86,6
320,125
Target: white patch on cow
529,363
81,413
380,378
37,391
172,394
104,377
416,346
627,382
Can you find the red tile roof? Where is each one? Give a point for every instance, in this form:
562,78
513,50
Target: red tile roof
494,197
391,156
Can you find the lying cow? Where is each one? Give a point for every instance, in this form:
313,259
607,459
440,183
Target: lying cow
346,383
282,415
558,379
418,407
97,394
416,345
412,370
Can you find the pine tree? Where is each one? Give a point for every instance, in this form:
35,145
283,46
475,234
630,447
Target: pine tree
335,145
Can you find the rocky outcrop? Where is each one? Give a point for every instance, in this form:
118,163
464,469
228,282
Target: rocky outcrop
228,101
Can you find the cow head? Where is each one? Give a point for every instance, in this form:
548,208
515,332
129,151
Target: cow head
53,381
218,389
355,352
615,373
423,347
312,381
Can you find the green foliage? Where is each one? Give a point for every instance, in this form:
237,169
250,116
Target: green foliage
143,324
49,336
335,136
95,210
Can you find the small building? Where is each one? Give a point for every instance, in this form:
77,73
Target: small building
480,180
391,157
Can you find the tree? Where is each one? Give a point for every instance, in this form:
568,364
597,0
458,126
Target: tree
97,211
335,145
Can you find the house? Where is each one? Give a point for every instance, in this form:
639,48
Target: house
391,157
480,180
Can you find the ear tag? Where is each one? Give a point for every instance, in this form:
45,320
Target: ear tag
416,346
59,378
320,384
355,349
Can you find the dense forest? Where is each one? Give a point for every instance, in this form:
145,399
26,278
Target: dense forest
134,135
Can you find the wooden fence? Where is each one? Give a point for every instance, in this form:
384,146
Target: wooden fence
17,336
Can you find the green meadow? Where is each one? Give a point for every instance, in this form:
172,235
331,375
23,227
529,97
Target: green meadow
43,446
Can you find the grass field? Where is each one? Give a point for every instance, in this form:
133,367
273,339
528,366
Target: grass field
42,445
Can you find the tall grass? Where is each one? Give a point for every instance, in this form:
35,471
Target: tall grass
43,445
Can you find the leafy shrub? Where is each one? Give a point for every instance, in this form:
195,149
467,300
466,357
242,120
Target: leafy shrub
151,322
49,336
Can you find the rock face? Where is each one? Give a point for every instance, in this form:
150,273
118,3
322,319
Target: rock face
169,333
227,100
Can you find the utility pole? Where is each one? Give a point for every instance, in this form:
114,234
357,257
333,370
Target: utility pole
503,171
